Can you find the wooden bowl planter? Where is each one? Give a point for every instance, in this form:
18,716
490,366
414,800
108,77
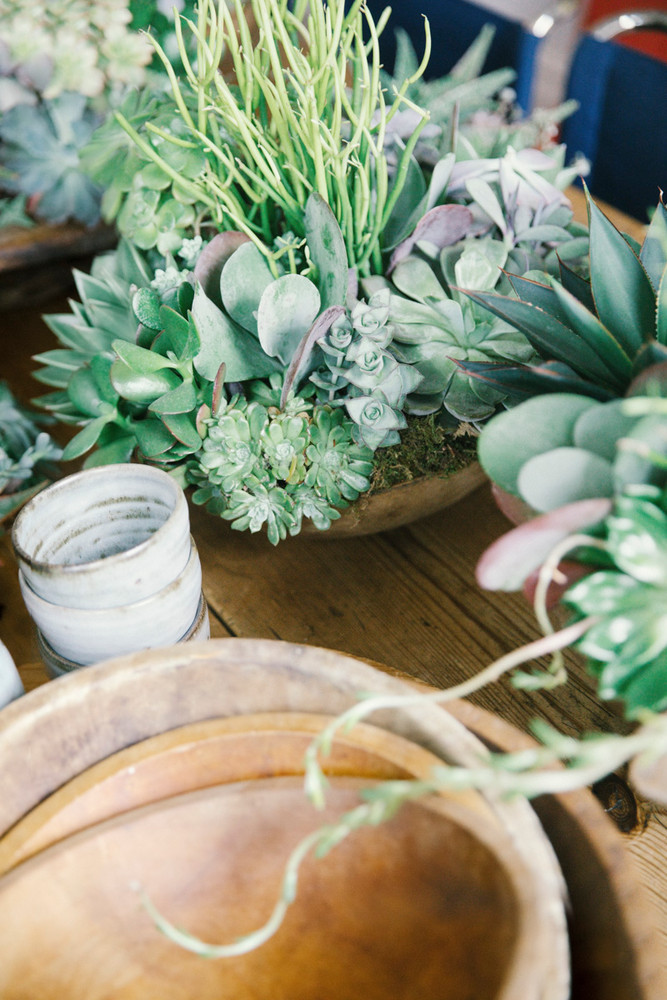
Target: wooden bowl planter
401,504
82,880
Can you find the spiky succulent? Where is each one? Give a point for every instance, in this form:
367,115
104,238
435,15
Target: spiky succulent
594,336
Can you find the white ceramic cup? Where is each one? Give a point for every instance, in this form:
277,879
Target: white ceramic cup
107,565
103,537
89,635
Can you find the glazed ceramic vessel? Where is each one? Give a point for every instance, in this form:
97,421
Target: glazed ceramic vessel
107,565
103,537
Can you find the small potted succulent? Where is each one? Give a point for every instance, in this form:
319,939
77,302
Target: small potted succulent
284,310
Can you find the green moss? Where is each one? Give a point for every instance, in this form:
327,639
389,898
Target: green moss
426,449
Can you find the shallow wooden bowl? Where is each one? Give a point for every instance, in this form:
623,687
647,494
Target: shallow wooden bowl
419,908
401,504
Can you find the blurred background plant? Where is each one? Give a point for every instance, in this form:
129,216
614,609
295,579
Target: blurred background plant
63,66
28,455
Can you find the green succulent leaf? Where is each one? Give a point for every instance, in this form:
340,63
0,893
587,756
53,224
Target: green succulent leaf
243,279
637,540
179,335
222,341
142,387
85,439
654,248
119,450
139,360
599,428
153,438
287,309
552,339
531,428
184,429
83,391
182,399
563,476
622,291
327,251
146,304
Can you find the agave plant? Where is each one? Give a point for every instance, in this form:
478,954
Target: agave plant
593,336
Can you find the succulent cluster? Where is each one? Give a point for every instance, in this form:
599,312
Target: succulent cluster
588,454
601,343
64,66
287,292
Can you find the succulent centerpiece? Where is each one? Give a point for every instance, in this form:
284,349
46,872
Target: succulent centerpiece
285,301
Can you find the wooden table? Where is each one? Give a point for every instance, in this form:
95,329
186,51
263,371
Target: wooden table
406,599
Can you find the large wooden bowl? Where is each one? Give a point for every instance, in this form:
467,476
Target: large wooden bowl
55,732
214,752
419,908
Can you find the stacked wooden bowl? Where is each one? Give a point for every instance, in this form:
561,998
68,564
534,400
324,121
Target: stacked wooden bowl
181,771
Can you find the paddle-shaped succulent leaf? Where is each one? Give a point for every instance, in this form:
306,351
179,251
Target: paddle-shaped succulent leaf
558,448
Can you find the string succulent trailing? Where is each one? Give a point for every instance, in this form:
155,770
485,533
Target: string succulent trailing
248,334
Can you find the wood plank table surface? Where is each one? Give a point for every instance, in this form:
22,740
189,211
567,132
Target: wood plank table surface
405,599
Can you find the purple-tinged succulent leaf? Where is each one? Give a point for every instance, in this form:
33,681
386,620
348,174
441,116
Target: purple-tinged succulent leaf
213,258
303,353
510,560
219,389
442,226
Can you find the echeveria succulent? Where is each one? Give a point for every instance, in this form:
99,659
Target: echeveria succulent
40,157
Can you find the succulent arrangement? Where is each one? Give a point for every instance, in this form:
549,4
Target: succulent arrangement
64,66
286,294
